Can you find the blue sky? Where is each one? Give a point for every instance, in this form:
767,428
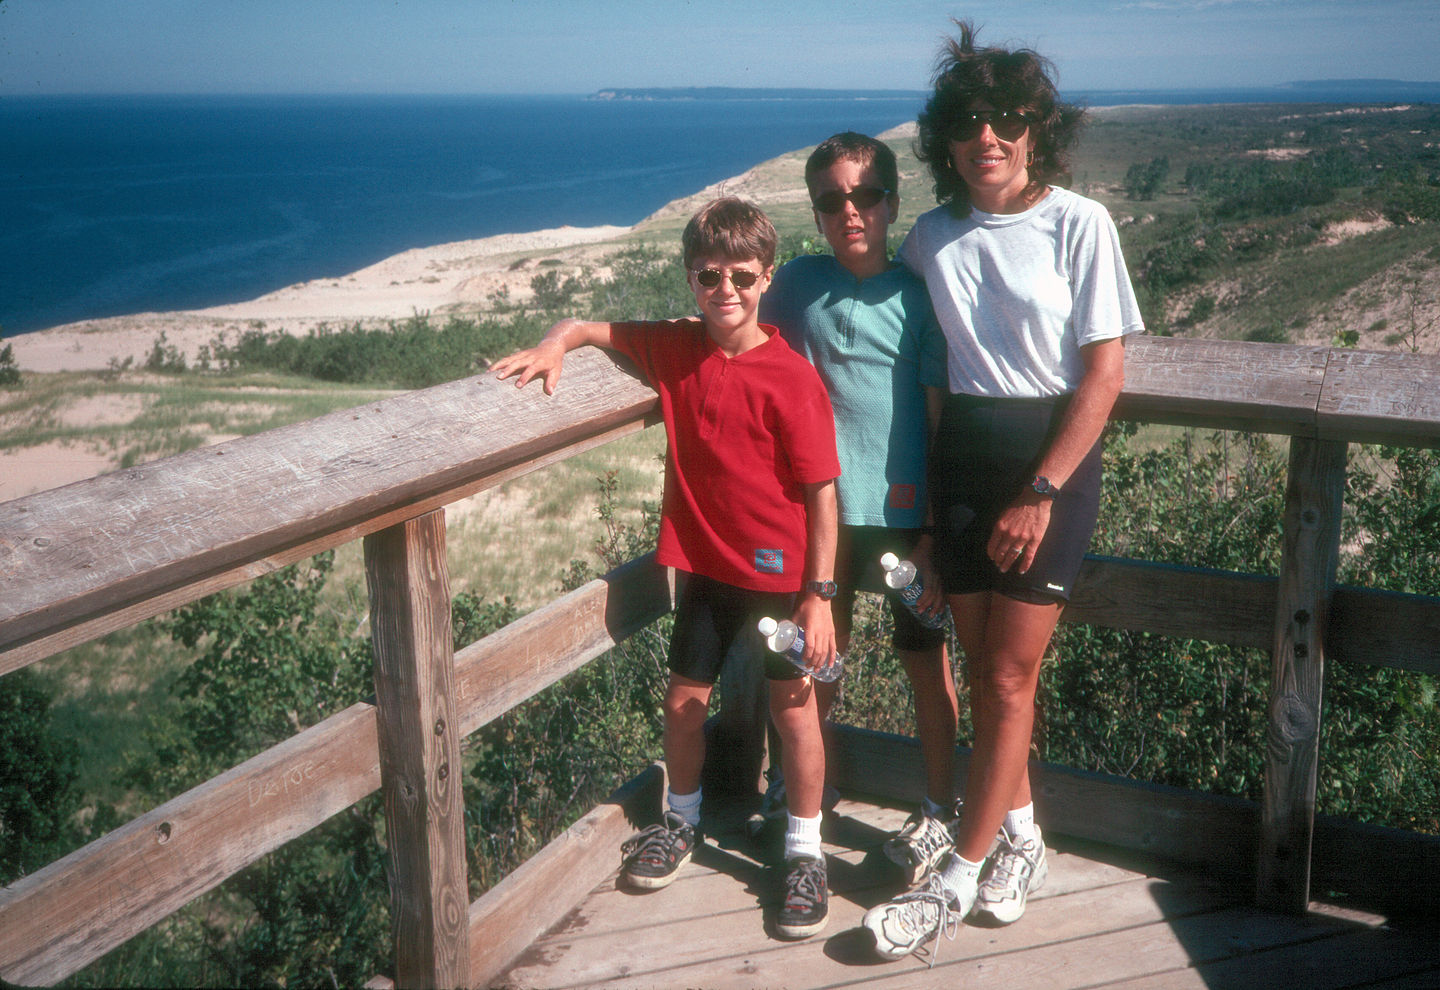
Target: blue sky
578,46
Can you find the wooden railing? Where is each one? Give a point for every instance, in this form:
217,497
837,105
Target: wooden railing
84,560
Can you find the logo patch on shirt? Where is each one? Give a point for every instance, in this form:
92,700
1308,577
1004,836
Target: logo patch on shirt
902,496
770,561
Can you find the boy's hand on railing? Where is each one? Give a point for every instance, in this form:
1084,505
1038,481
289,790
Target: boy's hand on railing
544,360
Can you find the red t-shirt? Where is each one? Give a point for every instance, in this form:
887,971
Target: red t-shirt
744,436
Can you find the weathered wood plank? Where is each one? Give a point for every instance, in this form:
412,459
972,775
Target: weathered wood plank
1385,629
1269,388
1381,397
419,744
63,917
1314,497
513,664
1381,628
516,911
1170,600
71,555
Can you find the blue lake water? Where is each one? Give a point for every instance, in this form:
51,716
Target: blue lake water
113,205
129,204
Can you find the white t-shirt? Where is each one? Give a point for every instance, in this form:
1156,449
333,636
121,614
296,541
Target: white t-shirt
1018,295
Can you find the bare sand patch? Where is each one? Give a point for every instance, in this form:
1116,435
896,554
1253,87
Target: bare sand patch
26,470
102,410
1343,230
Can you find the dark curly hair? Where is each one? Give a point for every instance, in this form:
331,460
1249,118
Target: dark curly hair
1007,80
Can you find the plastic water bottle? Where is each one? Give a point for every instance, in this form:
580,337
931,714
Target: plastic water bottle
787,639
904,579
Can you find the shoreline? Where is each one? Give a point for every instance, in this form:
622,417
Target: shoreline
444,278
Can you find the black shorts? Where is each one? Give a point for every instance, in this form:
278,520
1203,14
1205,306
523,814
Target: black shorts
713,616
985,454
857,568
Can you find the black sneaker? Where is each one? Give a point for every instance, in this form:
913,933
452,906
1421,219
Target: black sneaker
653,856
806,907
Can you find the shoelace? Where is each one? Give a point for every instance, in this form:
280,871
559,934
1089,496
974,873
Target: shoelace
918,904
654,843
932,836
805,884
1013,853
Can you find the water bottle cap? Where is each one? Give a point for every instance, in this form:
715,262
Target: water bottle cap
889,561
768,626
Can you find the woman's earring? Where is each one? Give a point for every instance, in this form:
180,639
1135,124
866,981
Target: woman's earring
1029,158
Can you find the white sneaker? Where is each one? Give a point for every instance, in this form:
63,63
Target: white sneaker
920,845
908,922
1017,868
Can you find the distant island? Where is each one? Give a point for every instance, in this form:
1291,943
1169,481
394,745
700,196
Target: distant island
1303,91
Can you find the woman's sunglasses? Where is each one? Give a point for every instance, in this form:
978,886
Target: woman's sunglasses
1006,124
711,277
864,197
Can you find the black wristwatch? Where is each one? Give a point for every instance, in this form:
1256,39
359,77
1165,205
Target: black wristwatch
1042,486
825,589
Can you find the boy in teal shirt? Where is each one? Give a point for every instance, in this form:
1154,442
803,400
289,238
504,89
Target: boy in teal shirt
866,324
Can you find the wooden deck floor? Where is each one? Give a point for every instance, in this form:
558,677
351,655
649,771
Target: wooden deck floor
1100,921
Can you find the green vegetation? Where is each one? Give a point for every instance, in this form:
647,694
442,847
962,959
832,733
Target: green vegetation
1283,216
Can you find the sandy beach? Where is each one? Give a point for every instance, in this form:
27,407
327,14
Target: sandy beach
436,280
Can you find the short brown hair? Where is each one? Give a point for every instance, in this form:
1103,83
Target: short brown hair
730,228
850,146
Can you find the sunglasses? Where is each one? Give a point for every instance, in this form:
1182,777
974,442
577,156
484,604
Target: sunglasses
864,197
711,277
1007,125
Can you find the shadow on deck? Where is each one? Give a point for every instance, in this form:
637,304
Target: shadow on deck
1105,917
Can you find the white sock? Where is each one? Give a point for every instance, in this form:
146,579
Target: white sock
959,875
1020,822
930,809
687,806
802,837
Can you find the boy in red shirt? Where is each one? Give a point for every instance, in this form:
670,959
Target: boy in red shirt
749,511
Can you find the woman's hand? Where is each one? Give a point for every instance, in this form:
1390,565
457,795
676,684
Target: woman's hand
1018,532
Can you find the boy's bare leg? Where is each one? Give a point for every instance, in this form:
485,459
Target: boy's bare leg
793,707
687,704
937,711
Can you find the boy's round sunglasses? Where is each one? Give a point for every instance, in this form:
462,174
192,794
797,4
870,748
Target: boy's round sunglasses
1006,124
864,197
711,277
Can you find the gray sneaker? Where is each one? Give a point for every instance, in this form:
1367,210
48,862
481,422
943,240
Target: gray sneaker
922,843
654,856
1017,869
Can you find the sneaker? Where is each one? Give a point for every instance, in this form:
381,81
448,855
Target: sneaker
653,856
1017,868
903,925
806,907
921,844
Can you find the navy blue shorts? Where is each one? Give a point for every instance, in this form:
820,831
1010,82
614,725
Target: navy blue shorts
985,454
857,568
712,616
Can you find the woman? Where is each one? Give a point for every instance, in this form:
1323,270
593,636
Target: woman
1030,288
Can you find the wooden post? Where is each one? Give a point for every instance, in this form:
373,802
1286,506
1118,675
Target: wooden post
1314,496
419,745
